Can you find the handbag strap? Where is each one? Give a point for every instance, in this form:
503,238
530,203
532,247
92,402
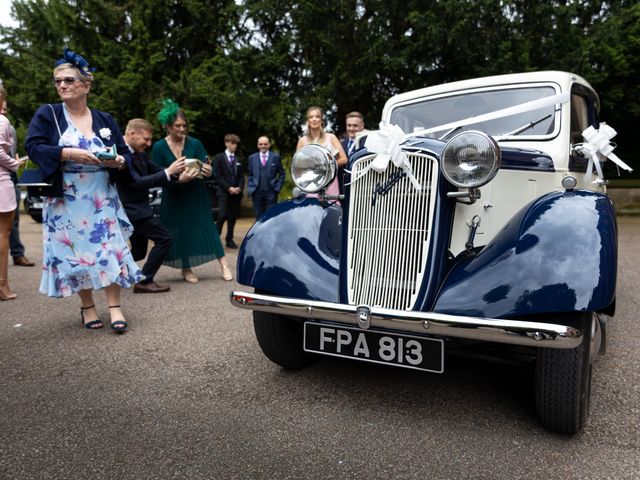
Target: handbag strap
55,119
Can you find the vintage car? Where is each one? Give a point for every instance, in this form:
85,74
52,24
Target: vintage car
476,219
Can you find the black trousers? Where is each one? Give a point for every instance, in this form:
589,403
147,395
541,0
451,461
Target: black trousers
144,230
228,208
263,201
15,245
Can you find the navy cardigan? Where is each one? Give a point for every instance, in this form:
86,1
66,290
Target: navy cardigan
42,138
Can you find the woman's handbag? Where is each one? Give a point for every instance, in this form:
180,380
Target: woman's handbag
33,179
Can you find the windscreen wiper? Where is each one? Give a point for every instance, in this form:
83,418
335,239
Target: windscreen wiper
523,128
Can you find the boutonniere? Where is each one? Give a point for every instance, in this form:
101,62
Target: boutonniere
105,133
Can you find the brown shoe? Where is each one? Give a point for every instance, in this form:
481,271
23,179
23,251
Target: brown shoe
23,262
151,287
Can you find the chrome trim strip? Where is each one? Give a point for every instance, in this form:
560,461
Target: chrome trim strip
514,332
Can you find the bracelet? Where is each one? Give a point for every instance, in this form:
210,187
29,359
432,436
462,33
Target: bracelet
69,156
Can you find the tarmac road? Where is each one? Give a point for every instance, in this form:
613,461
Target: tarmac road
187,394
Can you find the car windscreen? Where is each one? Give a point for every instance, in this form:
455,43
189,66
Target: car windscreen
433,112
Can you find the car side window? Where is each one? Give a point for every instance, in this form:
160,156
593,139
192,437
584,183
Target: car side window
579,117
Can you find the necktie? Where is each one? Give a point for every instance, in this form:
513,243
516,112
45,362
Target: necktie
264,159
350,146
232,165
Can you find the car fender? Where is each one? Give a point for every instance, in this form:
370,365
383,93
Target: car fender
293,250
557,254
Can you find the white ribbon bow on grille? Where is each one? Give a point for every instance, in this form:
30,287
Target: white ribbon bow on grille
386,143
597,144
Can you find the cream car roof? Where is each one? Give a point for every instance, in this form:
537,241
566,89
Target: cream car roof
564,79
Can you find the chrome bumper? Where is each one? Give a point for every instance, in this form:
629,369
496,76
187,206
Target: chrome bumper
514,332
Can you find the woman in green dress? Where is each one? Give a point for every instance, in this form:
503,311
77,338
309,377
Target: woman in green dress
186,209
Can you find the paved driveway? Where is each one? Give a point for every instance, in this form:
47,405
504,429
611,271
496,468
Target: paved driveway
187,394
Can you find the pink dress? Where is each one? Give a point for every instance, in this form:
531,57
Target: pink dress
333,188
7,165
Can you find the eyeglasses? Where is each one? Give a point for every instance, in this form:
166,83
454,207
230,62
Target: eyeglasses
67,80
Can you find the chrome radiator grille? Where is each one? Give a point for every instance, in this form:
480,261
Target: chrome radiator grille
389,233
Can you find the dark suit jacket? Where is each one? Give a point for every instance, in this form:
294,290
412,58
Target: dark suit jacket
345,145
134,184
225,175
42,138
276,172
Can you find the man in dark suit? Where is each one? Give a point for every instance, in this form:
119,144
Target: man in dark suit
230,179
265,177
133,189
354,122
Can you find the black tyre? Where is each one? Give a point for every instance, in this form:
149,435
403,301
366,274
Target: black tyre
280,339
563,378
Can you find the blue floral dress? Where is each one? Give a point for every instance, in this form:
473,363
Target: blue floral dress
85,232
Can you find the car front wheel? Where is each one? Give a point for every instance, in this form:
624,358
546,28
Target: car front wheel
280,339
563,377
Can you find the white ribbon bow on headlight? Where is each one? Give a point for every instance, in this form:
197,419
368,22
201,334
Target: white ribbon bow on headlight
386,144
597,144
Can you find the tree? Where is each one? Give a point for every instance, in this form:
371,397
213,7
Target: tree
253,67
613,53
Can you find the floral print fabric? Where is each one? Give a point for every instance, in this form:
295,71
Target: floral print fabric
85,232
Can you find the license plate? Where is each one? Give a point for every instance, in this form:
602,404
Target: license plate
408,351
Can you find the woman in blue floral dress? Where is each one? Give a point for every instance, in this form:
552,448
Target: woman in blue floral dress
85,228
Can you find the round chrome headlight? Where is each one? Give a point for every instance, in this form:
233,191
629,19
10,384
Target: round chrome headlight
470,159
312,168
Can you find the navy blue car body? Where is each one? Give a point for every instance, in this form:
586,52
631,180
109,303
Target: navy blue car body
539,253
477,216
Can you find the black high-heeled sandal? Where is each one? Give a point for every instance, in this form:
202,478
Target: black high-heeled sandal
119,326
93,324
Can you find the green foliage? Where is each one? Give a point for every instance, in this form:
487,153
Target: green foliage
287,189
614,57
253,67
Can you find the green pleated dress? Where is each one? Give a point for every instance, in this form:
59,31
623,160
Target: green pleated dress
186,211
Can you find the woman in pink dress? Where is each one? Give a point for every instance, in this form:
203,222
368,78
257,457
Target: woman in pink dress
7,199
317,135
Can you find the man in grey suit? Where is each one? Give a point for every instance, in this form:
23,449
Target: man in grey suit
266,177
